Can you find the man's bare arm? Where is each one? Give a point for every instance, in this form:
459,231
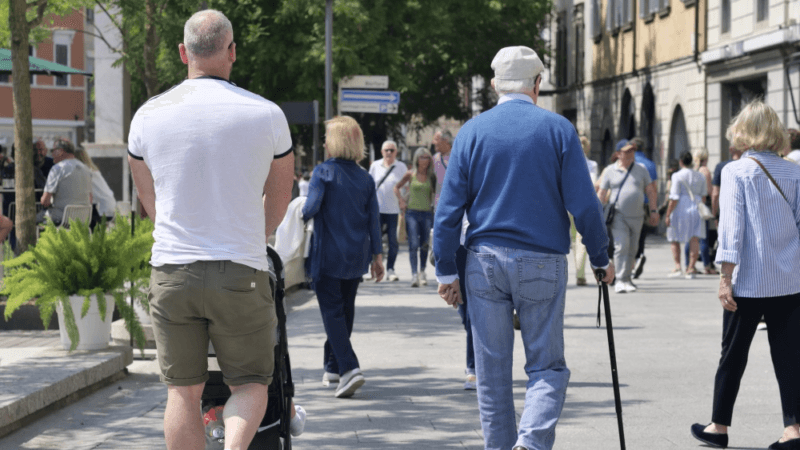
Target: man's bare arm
715,200
278,192
144,185
46,200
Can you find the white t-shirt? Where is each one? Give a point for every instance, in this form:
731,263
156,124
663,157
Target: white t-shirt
209,146
387,201
102,195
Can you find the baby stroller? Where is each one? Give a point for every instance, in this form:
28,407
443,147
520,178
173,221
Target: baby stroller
273,432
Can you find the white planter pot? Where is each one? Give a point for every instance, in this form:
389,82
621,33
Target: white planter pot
94,332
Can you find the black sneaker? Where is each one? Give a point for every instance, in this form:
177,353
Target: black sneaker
639,267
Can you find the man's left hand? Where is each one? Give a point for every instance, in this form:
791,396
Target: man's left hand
654,219
451,293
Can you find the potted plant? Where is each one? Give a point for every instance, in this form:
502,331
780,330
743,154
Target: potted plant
73,268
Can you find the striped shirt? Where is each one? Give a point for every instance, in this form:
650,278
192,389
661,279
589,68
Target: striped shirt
759,231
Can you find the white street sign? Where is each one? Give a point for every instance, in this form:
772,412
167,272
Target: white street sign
384,108
365,82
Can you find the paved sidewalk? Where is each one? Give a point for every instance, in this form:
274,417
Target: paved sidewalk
412,351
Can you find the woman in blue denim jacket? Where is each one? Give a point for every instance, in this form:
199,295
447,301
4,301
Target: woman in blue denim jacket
342,201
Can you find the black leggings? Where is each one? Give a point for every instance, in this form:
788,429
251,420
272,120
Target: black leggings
782,315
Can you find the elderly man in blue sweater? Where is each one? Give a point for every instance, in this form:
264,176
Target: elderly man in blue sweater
517,170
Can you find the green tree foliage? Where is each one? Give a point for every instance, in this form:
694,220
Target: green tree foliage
430,49
76,261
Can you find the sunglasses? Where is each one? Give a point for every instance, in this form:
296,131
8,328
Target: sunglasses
390,150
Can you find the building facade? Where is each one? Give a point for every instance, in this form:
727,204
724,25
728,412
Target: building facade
58,103
626,68
753,51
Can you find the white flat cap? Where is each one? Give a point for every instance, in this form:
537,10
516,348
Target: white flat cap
516,63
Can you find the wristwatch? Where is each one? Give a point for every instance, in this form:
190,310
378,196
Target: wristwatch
653,211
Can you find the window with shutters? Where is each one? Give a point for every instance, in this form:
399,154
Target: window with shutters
577,19
646,11
562,57
62,57
663,7
762,10
725,16
627,13
611,16
597,25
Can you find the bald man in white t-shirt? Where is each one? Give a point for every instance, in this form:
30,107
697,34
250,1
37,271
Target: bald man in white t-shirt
213,166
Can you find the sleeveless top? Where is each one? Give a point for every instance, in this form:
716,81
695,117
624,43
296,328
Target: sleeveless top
420,195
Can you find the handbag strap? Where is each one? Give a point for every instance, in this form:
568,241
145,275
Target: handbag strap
623,182
774,183
691,194
385,177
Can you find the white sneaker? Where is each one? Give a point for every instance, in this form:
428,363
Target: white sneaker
390,276
761,326
619,287
629,287
298,422
349,384
415,280
423,280
328,378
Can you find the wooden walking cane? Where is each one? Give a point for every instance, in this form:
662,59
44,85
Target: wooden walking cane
602,288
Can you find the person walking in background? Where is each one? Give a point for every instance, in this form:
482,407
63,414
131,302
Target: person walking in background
213,165
642,159
347,240
103,202
302,184
443,143
759,254
518,172
418,211
625,185
700,160
386,172
794,146
580,249
684,224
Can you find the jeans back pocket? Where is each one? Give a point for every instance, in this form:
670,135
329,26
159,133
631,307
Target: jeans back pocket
538,279
480,274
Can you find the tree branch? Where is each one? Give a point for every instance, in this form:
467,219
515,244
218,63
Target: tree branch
40,6
110,16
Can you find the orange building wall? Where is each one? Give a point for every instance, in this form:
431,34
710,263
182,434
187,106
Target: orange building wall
51,102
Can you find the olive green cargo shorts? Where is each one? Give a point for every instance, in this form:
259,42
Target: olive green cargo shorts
231,304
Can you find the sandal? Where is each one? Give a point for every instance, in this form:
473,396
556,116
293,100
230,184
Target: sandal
690,273
675,273
711,271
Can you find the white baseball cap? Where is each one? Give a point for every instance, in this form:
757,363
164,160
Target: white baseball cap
516,63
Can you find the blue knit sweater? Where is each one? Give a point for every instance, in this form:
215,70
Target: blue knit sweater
517,170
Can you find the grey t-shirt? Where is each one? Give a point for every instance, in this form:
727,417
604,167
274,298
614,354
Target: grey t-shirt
632,197
70,182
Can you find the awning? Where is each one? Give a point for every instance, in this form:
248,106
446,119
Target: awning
39,66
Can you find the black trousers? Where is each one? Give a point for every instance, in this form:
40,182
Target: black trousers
782,315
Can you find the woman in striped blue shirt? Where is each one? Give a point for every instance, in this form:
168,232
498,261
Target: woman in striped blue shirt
759,250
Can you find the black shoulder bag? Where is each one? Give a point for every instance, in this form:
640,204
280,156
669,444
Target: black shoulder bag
385,177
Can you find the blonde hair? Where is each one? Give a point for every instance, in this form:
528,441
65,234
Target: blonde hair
82,156
700,155
422,151
586,145
757,127
344,138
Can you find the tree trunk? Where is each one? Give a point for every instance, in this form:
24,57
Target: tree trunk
25,220
150,50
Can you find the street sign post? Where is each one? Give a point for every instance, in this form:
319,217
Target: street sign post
366,101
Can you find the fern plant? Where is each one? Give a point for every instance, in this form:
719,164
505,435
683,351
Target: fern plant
75,261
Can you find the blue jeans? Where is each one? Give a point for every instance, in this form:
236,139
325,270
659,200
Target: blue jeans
418,228
337,303
461,266
390,221
500,280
